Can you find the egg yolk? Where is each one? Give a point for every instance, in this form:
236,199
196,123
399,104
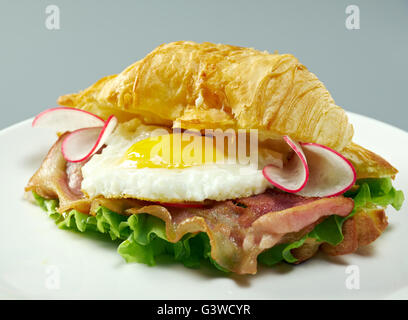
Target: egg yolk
173,151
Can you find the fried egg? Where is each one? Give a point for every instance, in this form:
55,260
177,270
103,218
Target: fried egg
145,163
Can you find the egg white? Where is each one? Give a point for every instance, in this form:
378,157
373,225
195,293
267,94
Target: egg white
105,175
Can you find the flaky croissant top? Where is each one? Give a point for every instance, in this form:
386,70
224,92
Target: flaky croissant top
208,86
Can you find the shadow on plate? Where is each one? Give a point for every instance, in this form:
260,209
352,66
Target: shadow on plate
33,160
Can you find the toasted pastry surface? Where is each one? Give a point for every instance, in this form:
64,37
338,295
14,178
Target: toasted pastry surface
204,86
207,86
360,230
367,163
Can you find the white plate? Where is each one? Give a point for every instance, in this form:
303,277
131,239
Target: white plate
40,261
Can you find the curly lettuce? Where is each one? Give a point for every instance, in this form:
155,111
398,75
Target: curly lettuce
366,193
142,237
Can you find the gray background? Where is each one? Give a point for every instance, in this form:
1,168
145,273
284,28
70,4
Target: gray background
365,70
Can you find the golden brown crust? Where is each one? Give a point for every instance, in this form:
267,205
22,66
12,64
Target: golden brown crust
306,251
360,230
370,224
367,163
208,86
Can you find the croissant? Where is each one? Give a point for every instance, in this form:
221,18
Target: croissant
216,86
207,86
210,86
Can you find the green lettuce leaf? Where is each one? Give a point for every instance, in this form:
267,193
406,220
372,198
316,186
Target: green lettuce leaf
369,192
378,192
143,239
273,255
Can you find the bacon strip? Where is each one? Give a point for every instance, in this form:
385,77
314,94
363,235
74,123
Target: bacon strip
236,245
51,181
239,230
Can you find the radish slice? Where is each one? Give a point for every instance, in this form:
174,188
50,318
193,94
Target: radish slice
294,175
65,119
330,173
83,143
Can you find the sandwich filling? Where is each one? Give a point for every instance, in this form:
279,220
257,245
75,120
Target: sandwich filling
244,219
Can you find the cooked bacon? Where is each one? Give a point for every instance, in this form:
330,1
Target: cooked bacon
254,207
239,230
58,179
235,242
74,177
51,181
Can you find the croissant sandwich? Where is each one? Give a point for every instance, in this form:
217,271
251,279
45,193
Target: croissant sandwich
217,153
